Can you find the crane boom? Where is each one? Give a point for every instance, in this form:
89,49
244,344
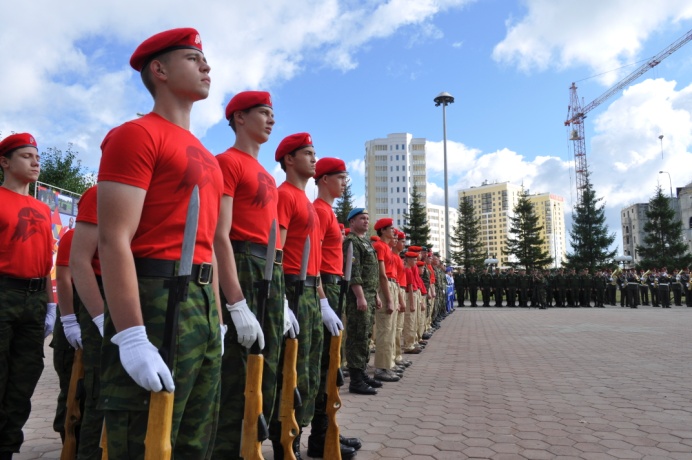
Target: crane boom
576,113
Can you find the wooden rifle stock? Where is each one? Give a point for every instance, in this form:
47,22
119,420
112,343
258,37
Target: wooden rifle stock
73,415
332,445
104,442
157,443
290,399
254,425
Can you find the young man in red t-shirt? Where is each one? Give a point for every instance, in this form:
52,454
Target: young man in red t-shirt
297,221
401,313
331,178
149,169
248,208
86,274
26,293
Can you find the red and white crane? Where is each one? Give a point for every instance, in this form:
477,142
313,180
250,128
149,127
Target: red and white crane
576,112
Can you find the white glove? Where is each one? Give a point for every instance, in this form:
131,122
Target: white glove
290,322
72,331
224,329
50,319
142,361
247,326
99,323
329,318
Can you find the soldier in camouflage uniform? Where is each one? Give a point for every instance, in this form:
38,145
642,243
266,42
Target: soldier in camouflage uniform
140,230
498,287
524,284
361,301
511,285
460,286
241,250
27,312
486,284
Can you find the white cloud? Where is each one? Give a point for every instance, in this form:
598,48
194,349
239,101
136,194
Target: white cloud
356,166
601,35
68,78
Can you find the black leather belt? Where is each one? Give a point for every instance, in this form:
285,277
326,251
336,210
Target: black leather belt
257,250
158,268
330,279
310,281
393,280
23,284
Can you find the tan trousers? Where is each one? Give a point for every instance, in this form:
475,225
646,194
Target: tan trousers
400,316
386,330
410,322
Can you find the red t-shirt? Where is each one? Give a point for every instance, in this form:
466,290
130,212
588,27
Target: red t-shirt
64,246
411,284
384,254
254,195
419,280
26,236
332,240
432,273
86,213
298,217
400,271
167,161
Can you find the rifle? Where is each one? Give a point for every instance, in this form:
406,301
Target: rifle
104,442
290,396
335,379
157,443
73,415
255,428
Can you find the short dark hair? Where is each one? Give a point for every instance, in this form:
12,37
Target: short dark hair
282,161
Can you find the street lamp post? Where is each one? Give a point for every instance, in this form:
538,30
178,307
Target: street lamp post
670,182
444,99
660,138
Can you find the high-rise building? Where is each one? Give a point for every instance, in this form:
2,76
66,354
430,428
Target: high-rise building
394,165
494,206
633,219
436,220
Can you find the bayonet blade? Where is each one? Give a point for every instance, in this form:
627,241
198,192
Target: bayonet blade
304,260
189,234
348,263
271,253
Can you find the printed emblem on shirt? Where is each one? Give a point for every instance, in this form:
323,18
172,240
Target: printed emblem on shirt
30,221
266,190
199,168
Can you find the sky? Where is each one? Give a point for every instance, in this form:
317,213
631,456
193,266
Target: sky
348,71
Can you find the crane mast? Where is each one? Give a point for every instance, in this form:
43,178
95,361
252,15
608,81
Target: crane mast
576,113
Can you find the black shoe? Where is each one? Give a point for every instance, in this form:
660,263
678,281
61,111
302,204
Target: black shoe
8,455
296,446
384,375
316,449
353,443
427,336
404,363
358,385
372,382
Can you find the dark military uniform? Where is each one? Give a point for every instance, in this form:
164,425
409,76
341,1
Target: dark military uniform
676,286
561,289
473,282
511,285
460,287
486,284
652,282
498,287
524,284
664,290
685,280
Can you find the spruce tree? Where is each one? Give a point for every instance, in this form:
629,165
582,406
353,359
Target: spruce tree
467,247
344,205
525,241
416,221
589,236
663,245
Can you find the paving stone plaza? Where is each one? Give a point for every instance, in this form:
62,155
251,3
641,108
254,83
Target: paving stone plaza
510,383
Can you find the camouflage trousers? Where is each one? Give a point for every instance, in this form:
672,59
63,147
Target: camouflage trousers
359,330
196,374
63,359
332,292
22,318
92,417
228,436
308,364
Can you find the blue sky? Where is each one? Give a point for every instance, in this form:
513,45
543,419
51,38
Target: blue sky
348,71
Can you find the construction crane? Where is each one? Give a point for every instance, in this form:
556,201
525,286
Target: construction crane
576,113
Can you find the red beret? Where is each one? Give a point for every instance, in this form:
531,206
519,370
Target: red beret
329,166
374,238
247,100
347,230
341,226
420,263
402,235
164,42
292,143
412,254
384,222
414,248
17,141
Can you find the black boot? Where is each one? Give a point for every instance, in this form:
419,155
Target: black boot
6,455
296,446
278,450
370,381
357,385
355,443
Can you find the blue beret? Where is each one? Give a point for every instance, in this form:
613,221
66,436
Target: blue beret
355,212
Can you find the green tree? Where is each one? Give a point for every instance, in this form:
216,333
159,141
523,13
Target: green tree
65,170
344,205
525,241
663,245
467,247
416,221
589,236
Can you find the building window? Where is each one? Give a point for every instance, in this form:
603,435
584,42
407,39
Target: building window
397,146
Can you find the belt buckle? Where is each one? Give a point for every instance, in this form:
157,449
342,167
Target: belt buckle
34,285
205,273
278,256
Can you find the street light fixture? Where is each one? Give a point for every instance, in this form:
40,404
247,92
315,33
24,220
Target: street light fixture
670,182
660,138
445,99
